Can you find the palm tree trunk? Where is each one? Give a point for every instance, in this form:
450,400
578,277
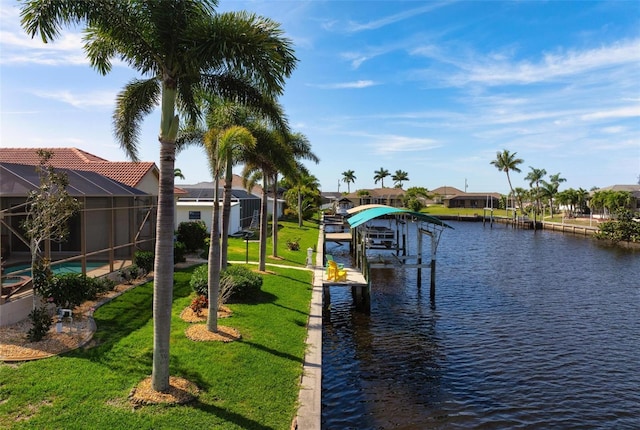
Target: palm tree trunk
214,262
299,208
226,215
262,266
274,220
163,269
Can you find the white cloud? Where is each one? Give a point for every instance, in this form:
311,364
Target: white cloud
389,144
392,19
343,85
622,112
80,100
490,71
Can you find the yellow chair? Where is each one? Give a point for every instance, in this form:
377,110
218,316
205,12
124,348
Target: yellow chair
329,257
335,273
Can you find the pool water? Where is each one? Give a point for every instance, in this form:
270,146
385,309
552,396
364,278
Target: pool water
57,269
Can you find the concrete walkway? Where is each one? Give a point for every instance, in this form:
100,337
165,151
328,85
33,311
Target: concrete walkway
310,396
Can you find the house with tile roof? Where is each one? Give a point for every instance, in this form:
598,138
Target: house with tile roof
384,196
115,220
143,175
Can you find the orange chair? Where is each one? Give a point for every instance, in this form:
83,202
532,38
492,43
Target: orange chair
336,273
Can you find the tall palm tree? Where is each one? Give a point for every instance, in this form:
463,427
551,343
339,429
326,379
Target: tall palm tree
300,150
303,192
270,156
550,189
221,113
180,47
505,162
534,177
218,143
379,175
349,177
399,177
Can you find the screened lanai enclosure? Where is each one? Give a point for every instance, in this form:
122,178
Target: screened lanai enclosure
114,221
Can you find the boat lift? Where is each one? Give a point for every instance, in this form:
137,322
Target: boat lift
362,240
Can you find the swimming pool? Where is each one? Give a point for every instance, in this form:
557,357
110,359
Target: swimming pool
57,269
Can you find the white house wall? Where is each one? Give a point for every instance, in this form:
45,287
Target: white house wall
187,211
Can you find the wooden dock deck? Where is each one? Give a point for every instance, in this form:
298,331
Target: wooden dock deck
338,237
355,278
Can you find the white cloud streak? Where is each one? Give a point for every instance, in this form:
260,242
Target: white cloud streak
80,100
354,27
346,85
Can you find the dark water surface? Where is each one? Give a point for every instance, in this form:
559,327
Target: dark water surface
527,331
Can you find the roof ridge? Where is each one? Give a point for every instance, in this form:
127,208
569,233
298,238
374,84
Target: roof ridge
84,156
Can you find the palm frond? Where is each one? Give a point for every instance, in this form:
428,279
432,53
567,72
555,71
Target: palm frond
133,103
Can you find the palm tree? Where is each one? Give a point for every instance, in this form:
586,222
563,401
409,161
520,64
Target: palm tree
177,173
180,46
399,177
303,192
550,189
534,177
218,143
505,162
380,175
349,177
269,156
301,150
275,153
220,114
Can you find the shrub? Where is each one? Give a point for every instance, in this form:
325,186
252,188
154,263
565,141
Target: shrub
144,260
104,284
225,292
69,290
192,234
200,280
293,245
179,251
236,282
624,228
41,321
199,303
244,283
129,274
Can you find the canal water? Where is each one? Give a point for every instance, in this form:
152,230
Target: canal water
531,331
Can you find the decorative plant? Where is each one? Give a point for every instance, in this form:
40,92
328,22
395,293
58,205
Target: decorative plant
41,322
198,304
144,260
293,244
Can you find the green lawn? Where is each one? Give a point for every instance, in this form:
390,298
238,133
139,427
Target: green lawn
307,236
249,384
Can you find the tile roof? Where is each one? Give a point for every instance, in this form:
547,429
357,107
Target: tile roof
126,172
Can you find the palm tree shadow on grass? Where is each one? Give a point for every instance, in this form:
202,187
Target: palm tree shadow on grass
126,314
257,298
239,420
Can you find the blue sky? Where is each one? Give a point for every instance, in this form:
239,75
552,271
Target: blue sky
431,88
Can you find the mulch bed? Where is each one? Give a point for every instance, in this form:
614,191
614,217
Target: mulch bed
180,391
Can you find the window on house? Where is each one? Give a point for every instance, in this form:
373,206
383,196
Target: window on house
194,215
